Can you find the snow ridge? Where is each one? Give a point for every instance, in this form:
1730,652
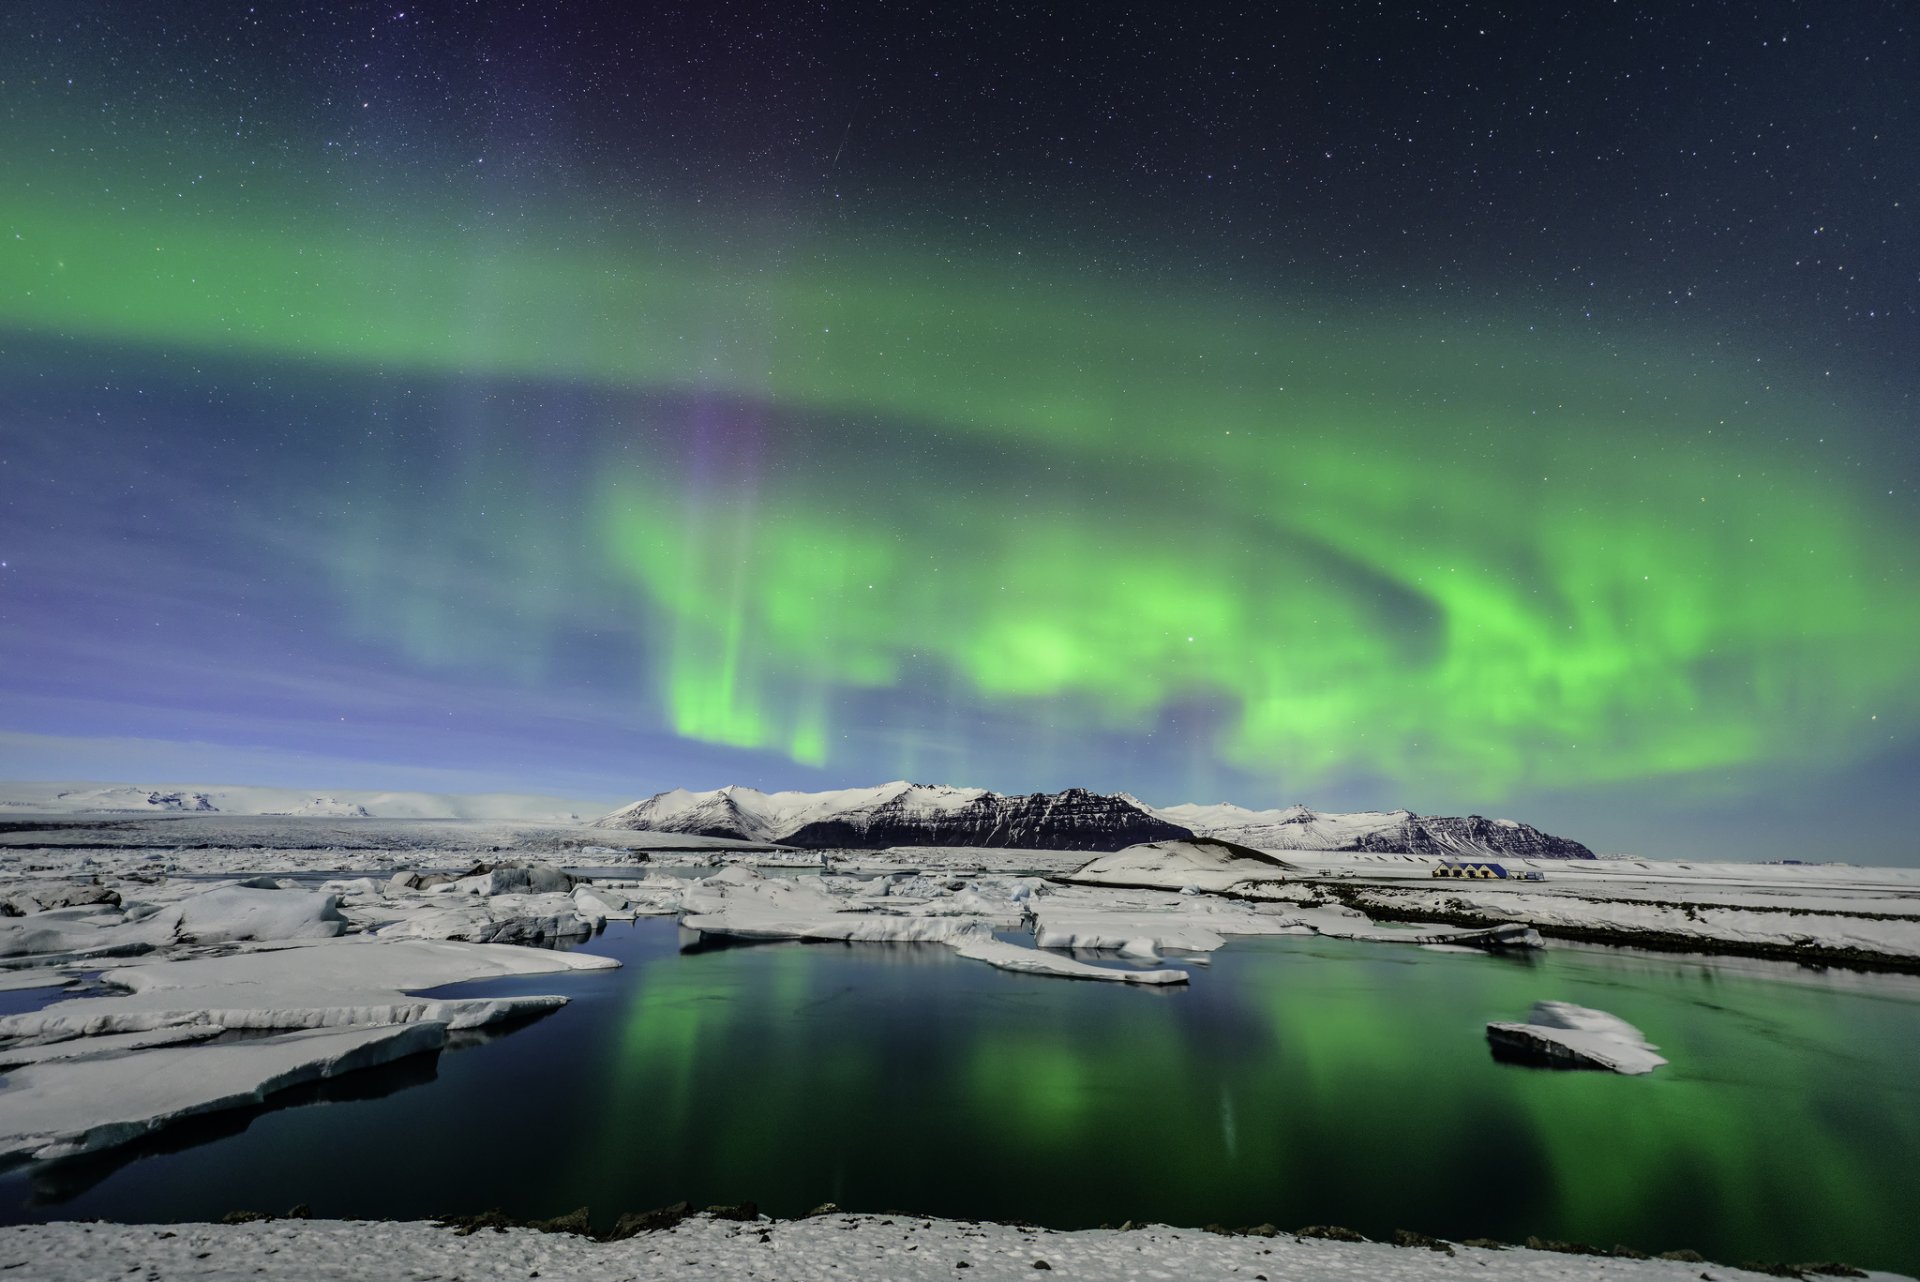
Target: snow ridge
1398,832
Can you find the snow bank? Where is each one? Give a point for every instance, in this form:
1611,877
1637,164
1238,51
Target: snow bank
223,915
1563,1034
77,1047
39,898
507,903
79,933
498,919
1773,924
233,913
1175,865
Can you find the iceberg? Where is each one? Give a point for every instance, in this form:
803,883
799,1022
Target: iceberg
1562,1035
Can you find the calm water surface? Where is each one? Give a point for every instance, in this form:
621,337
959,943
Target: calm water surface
1297,1081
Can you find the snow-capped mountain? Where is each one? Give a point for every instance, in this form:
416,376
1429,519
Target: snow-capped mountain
1382,831
901,814
913,814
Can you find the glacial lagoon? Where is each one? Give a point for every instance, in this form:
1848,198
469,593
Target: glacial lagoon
1296,1081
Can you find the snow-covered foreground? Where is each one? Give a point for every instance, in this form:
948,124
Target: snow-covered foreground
879,1248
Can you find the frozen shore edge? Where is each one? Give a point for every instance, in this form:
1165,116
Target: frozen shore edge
890,1246
1381,904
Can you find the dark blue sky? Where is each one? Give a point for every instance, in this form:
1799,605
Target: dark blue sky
1473,409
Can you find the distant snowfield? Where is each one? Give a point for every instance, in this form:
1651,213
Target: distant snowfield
879,1248
242,799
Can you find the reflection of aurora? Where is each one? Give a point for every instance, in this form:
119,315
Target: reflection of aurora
1383,549
1296,1082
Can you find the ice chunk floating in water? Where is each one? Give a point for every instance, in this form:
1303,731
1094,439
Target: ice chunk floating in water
1562,1035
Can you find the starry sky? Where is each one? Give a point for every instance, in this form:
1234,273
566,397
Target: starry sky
1467,407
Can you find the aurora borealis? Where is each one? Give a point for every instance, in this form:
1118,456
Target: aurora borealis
782,421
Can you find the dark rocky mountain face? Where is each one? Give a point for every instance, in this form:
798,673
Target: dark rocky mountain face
1470,836
722,820
1074,819
180,800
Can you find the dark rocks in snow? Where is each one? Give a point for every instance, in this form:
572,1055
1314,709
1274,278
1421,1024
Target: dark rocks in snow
531,930
1330,1233
526,879
180,800
634,1223
69,895
1409,1238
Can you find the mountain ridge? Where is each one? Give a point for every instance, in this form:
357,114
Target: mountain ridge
901,813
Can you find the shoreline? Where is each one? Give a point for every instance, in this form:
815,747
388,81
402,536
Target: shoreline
1818,956
735,1242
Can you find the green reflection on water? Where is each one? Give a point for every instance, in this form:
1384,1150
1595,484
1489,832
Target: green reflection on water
1784,1125
1297,1081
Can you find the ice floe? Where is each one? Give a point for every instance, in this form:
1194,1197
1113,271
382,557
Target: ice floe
1568,1036
1202,863
87,1072
57,1109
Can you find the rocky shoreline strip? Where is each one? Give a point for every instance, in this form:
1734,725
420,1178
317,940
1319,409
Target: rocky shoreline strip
737,1242
1379,905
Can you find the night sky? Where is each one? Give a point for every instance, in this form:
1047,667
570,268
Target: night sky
1507,409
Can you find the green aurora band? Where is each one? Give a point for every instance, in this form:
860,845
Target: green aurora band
1378,545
